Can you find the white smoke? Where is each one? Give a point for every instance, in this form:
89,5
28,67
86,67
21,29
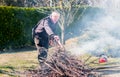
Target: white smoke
103,34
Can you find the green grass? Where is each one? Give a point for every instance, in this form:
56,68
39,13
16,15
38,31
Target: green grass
93,61
10,63
20,61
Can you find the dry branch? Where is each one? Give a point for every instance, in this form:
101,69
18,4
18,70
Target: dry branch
62,64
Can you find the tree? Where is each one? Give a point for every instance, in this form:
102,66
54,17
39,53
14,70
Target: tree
2,2
68,10
19,3
39,3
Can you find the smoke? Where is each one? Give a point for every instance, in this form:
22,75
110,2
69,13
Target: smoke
102,35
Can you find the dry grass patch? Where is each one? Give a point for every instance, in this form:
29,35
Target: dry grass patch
18,61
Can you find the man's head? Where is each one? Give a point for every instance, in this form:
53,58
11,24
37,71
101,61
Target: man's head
55,16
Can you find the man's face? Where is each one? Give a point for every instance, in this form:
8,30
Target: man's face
55,18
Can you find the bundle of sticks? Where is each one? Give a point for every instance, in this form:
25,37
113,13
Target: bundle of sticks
62,64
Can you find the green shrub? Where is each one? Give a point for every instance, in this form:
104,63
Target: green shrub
16,24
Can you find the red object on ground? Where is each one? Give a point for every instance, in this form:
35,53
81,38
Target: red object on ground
102,60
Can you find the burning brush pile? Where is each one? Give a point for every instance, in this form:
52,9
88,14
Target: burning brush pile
61,64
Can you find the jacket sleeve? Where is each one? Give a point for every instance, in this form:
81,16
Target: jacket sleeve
39,27
47,28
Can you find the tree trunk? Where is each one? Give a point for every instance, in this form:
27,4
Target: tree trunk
50,3
62,34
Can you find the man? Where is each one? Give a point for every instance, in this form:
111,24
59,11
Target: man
45,30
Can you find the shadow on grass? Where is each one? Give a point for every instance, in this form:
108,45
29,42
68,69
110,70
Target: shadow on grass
7,67
110,72
10,73
22,49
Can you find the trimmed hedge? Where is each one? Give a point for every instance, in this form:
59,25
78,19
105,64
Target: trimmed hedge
16,24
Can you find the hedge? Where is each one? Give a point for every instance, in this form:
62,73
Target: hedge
16,24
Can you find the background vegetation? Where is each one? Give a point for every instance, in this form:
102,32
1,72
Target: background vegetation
16,24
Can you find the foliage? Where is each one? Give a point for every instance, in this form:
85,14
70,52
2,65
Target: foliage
68,12
16,24
40,3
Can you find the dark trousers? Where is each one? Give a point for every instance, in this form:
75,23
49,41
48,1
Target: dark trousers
42,45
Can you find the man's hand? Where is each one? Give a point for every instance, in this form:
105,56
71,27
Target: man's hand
56,38
55,41
60,46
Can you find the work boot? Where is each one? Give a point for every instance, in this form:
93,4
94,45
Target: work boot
42,55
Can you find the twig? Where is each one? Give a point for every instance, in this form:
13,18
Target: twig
53,69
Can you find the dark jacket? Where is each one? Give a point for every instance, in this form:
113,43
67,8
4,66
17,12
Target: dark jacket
45,31
46,28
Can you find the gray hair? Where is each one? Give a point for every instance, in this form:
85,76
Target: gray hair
55,13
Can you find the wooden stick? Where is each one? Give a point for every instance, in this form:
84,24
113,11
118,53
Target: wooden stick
53,69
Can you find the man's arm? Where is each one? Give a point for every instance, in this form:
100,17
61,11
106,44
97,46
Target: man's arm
51,33
40,26
47,28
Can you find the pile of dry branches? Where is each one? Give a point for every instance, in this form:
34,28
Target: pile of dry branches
61,64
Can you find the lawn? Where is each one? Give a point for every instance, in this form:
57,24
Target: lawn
17,61
13,63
